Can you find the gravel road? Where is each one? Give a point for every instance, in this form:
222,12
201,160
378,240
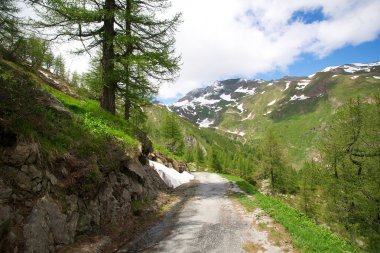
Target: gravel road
209,221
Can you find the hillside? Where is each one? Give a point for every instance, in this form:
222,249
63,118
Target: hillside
297,107
69,170
204,148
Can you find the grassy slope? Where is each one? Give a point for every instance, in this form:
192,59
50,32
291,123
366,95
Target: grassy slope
207,138
306,235
85,130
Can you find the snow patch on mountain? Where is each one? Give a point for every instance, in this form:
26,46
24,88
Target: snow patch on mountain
236,132
376,77
240,108
354,77
268,112
204,101
226,97
272,103
329,68
295,97
287,86
246,91
354,67
302,84
181,103
250,116
205,123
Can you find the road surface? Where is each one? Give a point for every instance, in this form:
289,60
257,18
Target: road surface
209,221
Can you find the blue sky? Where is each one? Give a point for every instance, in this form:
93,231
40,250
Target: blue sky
309,64
268,39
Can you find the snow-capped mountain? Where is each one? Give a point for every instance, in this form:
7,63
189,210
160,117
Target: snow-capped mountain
244,100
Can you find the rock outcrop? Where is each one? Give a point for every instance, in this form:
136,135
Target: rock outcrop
41,212
168,162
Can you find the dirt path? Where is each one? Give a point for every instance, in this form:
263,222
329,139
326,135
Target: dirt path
210,221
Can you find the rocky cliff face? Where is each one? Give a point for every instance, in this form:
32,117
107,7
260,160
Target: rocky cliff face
40,213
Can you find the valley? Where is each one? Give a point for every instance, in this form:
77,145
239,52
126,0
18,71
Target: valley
176,126
298,107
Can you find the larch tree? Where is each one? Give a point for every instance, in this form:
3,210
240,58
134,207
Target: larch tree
350,149
173,135
145,50
9,25
136,45
273,162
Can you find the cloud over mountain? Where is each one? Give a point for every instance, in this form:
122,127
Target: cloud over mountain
224,38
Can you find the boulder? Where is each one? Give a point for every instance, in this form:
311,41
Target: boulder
134,169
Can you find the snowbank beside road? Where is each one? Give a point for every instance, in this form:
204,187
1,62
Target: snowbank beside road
170,176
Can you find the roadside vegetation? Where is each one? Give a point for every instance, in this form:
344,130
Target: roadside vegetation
306,234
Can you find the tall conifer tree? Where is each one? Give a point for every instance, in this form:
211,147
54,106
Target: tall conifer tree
136,46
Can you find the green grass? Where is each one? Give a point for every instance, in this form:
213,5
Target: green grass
306,235
84,129
95,120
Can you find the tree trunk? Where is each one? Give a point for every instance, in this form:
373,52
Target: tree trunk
129,51
127,105
109,81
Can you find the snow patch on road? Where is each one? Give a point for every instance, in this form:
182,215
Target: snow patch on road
170,176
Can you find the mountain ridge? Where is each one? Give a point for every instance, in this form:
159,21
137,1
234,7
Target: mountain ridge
193,106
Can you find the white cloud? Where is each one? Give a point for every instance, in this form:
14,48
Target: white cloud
224,38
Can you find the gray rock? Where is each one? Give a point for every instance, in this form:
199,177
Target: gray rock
135,170
52,178
31,171
22,153
5,218
34,173
72,215
23,181
5,193
89,218
37,188
46,227
126,196
34,154
113,178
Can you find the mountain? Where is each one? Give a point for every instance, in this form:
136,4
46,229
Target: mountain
298,107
